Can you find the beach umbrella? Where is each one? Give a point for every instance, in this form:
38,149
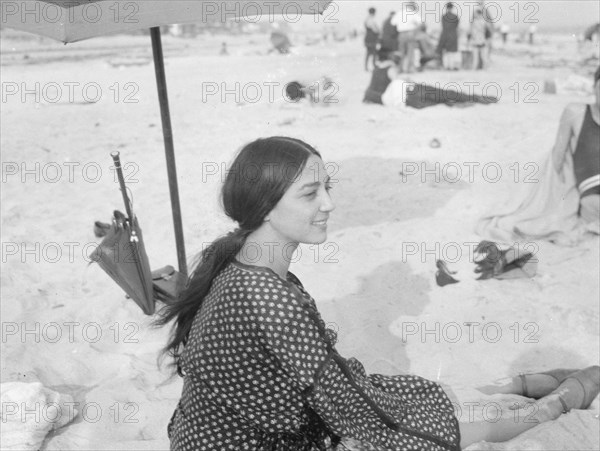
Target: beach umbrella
75,20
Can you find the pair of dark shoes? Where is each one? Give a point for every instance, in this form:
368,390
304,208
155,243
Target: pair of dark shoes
490,262
588,379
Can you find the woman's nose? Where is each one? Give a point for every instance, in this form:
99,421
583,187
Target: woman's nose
327,204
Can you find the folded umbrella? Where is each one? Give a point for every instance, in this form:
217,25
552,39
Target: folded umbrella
122,254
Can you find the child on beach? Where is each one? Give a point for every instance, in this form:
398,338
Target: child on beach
260,367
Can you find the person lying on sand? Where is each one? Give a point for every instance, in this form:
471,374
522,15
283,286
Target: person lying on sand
320,92
565,205
389,87
259,365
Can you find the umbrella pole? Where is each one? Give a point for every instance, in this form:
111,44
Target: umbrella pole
163,98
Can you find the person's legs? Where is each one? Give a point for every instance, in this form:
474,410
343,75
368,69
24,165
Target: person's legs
575,392
535,385
421,95
371,54
403,49
411,46
479,57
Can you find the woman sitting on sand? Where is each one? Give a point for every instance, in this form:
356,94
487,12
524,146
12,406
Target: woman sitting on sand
579,138
260,368
565,204
388,87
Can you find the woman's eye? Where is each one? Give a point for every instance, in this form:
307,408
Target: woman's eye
311,194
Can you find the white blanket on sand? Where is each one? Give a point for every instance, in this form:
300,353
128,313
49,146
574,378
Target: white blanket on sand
549,211
29,412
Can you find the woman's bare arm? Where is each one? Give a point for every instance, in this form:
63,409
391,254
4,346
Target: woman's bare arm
563,137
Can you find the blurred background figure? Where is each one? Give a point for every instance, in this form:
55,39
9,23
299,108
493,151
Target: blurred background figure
280,40
448,43
427,47
224,49
389,35
504,30
371,38
479,35
531,32
407,23
383,74
591,31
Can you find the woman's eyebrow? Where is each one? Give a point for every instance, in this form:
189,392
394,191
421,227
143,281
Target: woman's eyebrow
315,184
310,185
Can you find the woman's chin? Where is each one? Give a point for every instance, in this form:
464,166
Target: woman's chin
318,239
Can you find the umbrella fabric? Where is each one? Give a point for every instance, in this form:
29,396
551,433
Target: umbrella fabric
75,20
122,255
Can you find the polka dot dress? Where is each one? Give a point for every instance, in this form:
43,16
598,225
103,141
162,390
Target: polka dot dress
259,375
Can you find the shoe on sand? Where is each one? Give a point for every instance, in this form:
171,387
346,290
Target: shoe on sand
589,379
443,276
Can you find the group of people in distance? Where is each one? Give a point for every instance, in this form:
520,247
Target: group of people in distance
405,32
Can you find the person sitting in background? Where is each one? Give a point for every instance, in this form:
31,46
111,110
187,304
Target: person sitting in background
383,73
579,138
565,204
429,56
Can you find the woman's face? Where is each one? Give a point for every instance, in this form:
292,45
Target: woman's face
302,213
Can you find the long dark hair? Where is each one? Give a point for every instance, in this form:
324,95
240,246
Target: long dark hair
258,178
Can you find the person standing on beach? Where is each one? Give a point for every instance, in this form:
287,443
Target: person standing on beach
479,34
531,32
260,367
389,35
407,23
504,30
371,38
448,43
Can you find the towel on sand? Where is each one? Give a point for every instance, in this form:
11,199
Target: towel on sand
549,211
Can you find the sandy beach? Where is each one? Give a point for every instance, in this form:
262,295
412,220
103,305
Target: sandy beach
66,325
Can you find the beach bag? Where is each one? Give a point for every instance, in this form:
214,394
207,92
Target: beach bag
167,284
